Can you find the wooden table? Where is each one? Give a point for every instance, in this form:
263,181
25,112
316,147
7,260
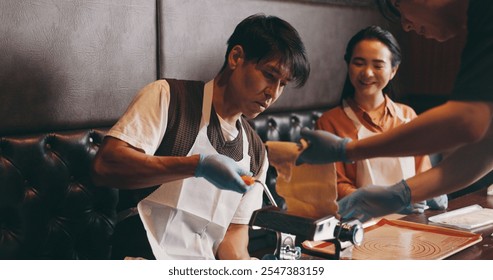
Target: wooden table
480,251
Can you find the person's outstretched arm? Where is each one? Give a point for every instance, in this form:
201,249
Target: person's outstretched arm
442,128
460,169
118,164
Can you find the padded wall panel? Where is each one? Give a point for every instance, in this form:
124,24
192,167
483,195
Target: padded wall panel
67,64
194,34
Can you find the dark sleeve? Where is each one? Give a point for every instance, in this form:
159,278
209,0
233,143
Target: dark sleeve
475,78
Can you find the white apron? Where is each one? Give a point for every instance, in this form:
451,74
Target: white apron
385,171
187,219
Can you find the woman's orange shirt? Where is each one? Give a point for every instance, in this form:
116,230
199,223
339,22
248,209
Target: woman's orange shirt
336,121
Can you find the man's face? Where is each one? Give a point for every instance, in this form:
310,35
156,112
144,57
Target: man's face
429,18
258,85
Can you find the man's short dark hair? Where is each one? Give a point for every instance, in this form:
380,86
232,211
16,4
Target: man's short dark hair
269,37
388,10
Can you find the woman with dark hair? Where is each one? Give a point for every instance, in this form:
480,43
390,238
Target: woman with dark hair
373,57
462,126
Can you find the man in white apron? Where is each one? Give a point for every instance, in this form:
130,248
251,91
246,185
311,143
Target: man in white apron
192,142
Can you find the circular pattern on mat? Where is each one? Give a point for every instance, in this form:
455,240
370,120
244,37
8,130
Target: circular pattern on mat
387,248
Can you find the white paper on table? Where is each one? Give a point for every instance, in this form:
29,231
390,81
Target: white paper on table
469,217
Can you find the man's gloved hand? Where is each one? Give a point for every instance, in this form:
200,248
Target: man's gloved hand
222,171
324,147
375,201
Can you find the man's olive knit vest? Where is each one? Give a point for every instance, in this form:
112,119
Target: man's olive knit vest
184,115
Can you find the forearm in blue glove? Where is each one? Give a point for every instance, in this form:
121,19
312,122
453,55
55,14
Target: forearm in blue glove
222,171
375,201
324,147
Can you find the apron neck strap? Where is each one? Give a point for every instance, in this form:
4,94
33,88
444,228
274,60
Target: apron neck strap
398,111
207,104
351,115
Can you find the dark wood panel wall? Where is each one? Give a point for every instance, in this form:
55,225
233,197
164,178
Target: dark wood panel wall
431,66
427,76
429,69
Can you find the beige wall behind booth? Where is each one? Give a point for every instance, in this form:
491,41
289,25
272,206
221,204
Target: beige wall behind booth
194,34
68,64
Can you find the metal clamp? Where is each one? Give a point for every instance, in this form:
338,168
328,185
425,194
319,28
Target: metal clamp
286,249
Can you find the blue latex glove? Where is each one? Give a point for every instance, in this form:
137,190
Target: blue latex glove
375,201
416,208
438,203
324,147
222,171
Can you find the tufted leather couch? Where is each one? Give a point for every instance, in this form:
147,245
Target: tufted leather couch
50,209
283,126
69,69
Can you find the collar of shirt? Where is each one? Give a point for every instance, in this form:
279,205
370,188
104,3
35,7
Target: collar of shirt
377,124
